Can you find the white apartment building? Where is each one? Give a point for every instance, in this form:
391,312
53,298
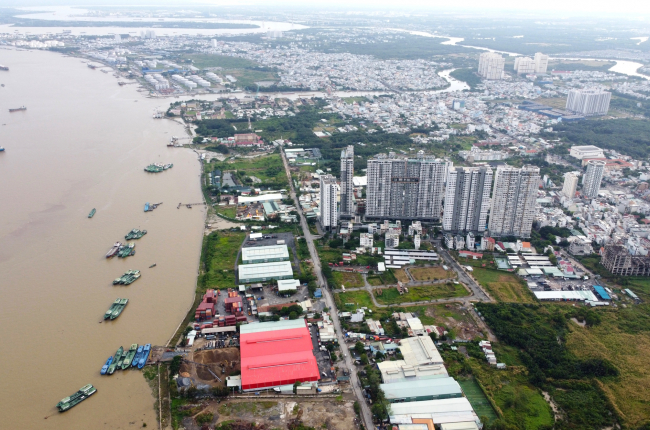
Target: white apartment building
541,63
467,199
593,178
391,240
405,188
347,186
513,203
570,185
366,240
328,204
416,241
586,151
525,65
491,65
588,102
478,154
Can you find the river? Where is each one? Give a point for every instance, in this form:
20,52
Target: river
82,143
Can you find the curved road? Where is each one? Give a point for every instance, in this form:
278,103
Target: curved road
366,415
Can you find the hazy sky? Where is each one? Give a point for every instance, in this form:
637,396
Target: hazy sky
632,8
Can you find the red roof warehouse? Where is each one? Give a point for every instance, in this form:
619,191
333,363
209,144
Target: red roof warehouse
276,353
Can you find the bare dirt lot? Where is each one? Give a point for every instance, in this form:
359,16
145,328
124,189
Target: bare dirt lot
214,360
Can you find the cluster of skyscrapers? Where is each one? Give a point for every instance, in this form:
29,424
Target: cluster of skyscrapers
491,65
432,190
529,66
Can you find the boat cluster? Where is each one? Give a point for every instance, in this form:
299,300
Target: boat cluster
135,356
122,250
129,277
116,309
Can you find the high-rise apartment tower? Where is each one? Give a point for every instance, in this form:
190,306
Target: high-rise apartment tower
401,188
490,65
570,185
328,204
513,203
347,187
593,178
467,199
588,101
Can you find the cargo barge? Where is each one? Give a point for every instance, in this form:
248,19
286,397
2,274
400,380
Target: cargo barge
116,309
92,213
113,365
157,167
114,250
78,397
129,356
135,234
17,109
129,277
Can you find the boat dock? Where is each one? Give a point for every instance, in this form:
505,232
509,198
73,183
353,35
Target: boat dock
189,205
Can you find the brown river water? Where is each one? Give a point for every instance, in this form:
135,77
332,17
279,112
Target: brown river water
82,143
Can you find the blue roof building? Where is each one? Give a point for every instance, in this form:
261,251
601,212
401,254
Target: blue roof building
318,293
600,292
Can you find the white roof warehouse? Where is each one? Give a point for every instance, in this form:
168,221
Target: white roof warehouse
264,254
249,273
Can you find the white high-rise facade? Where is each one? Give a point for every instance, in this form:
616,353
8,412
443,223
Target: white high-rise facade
570,185
467,199
401,188
593,178
328,202
347,186
513,203
588,101
491,65
524,65
541,62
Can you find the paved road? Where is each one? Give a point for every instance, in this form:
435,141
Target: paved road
463,277
366,415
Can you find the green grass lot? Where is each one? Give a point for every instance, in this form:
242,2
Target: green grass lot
203,61
520,403
227,211
359,298
218,259
623,337
503,286
477,399
256,408
431,273
350,280
268,168
246,78
391,296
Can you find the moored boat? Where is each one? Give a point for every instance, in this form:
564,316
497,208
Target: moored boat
92,213
110,310
120,361
1,149
105,366
146,207
135,234
153,265
113,366
114,250
129,277
126,250
78,397
17,109
145,356
120,307
138,356
129,356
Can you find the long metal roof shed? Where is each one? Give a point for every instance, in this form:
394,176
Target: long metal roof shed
263,254
423,389
399,371
420,350
249,273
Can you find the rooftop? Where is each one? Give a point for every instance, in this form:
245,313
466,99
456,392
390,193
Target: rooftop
420,350
265,253
424,387
265,270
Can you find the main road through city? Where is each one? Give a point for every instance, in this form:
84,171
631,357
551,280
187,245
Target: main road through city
354,380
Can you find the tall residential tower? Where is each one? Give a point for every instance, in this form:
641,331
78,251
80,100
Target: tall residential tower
588,102
401,188
593,178
347,187
490,65
328,196
467,199
513,203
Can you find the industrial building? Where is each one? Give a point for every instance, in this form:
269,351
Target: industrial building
288,285
264,254
275,354
405,188
420,350
566,296
586,151
249,273
399,371
421,390
439,411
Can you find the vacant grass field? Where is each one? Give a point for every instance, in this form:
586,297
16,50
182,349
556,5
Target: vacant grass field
431,273
247,78
503,286
391,296
219,256
257,408
359,298
400,275
520,403
350,280
228,211
268,168
477,399
627,345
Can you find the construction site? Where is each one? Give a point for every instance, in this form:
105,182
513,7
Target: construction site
211,366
